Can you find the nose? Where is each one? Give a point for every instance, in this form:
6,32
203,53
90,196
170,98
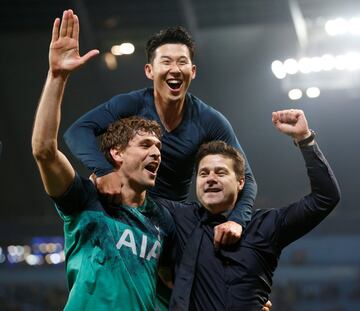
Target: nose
155,152
174,68
211,179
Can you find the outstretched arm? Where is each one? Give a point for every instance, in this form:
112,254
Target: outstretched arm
302,216
56,171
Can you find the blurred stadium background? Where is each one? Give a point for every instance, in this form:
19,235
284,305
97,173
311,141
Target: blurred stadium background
254,57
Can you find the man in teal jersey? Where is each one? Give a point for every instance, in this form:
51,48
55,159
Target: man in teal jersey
112,253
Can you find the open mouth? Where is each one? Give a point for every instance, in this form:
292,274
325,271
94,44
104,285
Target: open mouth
214,190
152,167
174,84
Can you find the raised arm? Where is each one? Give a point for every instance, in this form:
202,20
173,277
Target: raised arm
300,217
56,171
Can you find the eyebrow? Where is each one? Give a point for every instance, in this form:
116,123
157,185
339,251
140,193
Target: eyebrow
217,168
169,57
148,140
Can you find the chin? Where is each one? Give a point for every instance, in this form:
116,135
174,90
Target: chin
212,205
150,184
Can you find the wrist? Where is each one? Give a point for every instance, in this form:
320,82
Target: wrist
305,140
58,75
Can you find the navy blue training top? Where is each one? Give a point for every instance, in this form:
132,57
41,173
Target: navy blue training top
201,123
240,277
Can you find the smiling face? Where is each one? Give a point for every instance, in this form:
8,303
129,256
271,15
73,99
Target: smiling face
139,161
171,71
217,185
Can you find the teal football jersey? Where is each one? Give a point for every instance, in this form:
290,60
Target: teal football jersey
112,254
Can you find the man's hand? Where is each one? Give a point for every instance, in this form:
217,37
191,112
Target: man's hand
64,54
291,122
267,306
227,233
108,186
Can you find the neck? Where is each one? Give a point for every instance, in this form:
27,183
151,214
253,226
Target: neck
219,209
131,197
170,112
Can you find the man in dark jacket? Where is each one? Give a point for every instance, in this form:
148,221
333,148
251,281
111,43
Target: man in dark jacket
239,277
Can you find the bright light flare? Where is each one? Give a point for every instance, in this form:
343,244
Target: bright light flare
313,92
123,49
291,66
278,69
327,62
305,65
295,94
341,26
110,61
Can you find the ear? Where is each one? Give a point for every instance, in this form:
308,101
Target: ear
241,184
117,155
193,69
149,71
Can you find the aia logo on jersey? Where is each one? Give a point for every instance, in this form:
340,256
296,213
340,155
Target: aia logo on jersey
146,250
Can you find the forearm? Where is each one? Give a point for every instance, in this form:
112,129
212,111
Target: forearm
243,208
324,186
55,170
47,119
82,142
302,216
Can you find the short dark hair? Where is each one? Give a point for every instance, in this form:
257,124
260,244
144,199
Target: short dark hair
176,34
224,149
120,132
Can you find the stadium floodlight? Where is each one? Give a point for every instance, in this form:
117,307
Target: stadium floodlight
327,62
123,49
278,69
354,26
313,92
291,66
336,27
295,94
341,26
305,65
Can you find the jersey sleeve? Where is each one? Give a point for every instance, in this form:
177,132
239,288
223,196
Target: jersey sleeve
300,217
81,135
221,129
74,199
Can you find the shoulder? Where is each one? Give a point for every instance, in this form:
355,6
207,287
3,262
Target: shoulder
160,212
174,206
184,214
133,100
208,115
80,192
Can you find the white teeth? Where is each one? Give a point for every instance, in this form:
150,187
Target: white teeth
174,81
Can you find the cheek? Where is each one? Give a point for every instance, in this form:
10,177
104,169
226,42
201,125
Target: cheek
198,187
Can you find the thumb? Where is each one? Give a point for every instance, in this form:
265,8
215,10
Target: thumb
89,55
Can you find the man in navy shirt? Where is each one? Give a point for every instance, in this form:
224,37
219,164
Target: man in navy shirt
239,277
186,120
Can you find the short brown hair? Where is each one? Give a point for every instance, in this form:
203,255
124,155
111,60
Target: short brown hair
224,149
120,132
